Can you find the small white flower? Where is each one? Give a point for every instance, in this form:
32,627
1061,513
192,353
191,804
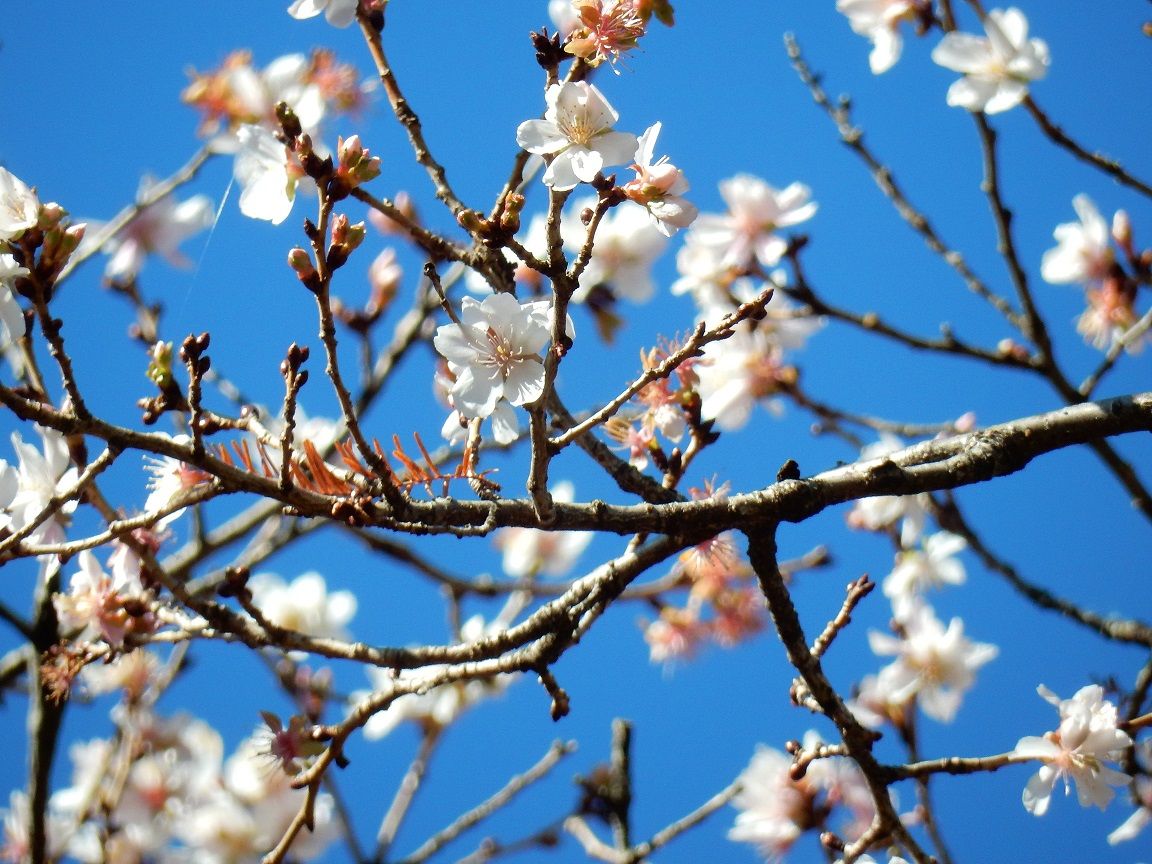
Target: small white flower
99,603
28,490
934,664
577,132
996,69
878,512
917,571
1086,738
879,20
19,206
11,314
494,352
304,605
659,186
1084,251
339,13
261,169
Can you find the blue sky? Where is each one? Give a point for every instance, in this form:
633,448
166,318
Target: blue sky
94,104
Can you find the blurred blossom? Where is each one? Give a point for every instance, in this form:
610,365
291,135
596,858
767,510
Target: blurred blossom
1087,737
746,234
304,605
264,170
11,314
626,246
438,706
339,13
879,512
675,635
1084,251
104,605
529,552
880,20
577,132
159,228
932,566
996,69
28,490
933,664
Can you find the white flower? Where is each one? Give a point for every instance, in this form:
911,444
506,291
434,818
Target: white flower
996,69
626,246
27,491
577,132
529,551
261,169
1087,736
933,664
879,20
159,228
936,565
11,314
735,374
747,232
304,604
19,206
659,186
772,805
1084,252
494,352
1141,817
169,477
339,13
433,707
103,605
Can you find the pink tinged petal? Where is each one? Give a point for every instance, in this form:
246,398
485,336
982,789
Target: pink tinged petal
962,52
541,137
770,249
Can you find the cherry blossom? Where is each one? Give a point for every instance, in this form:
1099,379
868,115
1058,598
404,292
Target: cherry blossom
626,246
577,132
11,314
935,565
160,228
934,664
1141,817
604,30
264,170
494,352
19,206
1109,316
996,69
104,605
675,635
169,477
338,13
747,232
880,20
659,186
27,491
1086,738
1084,251
879,512
529,552
304,605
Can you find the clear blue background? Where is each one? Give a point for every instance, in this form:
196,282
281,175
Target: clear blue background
93,102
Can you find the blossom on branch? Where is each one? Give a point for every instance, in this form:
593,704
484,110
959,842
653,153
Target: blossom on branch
604,30
996,69
304,605
494,352
577,133
1088,736
659,186
19,206
879,20
339,13
267,174
933,664
1084,251
529,552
